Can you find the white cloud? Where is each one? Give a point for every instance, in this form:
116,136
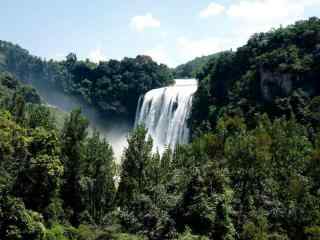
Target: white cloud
140,23
246,18
97,55
158,54
190,48
213,9
308,3
252,16
267,11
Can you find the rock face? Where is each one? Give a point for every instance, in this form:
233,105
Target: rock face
274,85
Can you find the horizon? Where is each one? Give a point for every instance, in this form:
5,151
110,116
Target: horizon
158,30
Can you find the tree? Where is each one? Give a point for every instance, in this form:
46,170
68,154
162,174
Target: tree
18,108
71,59
134,165
98,189
205,206
39,179
29,94
39,116
16,222
72,139
258,228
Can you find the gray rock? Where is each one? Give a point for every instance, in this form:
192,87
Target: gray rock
274,84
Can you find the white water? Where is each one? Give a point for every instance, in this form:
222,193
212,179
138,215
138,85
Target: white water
165,111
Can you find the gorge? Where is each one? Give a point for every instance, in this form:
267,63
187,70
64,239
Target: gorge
163,111
249,169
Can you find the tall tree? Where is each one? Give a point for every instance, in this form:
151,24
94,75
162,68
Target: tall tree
72,138
134,166
205,206
38,180
99,188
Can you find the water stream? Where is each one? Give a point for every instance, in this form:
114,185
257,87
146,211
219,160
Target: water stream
165,111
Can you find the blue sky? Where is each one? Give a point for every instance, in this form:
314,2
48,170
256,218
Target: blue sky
171,31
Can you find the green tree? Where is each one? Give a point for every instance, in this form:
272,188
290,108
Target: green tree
72,139
16,222
205,206
99,188
39,116
135,163
18,108
39,179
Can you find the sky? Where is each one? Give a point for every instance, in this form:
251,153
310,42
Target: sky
170,31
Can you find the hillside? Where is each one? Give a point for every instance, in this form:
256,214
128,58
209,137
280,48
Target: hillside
275,73
191,68
112,87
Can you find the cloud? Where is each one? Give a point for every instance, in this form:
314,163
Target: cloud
245,17
252,16
191,48
140,23
262,15
213,9
267,11
97,55
159,54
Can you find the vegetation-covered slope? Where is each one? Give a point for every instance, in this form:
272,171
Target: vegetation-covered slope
44,170
59,184
275,73
113,87
191,68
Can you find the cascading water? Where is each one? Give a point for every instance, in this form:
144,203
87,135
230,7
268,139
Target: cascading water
165,111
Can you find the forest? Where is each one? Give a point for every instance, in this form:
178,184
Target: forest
250,172
113,87
191,68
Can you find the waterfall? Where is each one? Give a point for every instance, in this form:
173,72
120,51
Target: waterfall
165,111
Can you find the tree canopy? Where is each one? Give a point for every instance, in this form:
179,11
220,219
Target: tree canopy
113,87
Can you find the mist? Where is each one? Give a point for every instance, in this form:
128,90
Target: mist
113,128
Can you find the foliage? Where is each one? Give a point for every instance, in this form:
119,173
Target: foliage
191,68
114,87
73,135
275,73
97,184
16,222
137,157
39,163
